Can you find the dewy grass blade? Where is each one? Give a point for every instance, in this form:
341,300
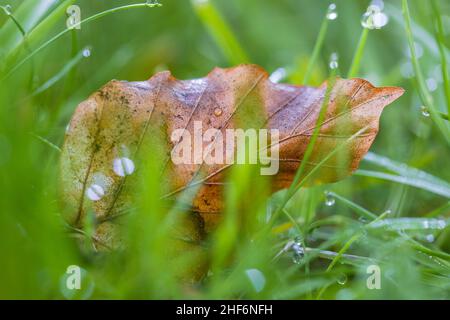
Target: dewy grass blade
357,208
421,184
317,48
440,40
346,246
24,39
403,169
29,14
220,31
11,16
294,185
425,95
314,170
44,27
411,224
85,21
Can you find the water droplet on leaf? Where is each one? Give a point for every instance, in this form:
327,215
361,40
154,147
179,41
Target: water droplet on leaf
342,279
95,192
123,166
218,112
278,75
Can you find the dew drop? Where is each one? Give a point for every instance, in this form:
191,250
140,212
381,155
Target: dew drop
362,220
329,199
425,111
334,64
86,52
153,3
256,278
380,19
95,192
218,112
366,20
332,13
342,279
278,75
429,238
7,9
432,84
298,252
441,224
374,18
123,166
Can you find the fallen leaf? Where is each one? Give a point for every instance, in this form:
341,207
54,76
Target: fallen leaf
101,150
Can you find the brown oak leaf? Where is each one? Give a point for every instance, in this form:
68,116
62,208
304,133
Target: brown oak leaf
107,132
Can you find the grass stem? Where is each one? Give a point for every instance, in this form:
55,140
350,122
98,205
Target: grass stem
317,48
356,62
425,95
440,39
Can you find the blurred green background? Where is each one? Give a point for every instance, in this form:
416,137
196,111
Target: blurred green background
40,88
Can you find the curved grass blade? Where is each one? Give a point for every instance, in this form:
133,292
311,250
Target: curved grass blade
441,190
28,16
85,21
424,93
357,208
63,72
410,224
403,170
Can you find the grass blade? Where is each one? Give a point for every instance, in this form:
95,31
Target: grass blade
421,184
425,95
220,31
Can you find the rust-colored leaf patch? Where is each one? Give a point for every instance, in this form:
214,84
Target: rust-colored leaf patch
101,153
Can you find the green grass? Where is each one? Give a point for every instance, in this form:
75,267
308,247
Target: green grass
393,212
